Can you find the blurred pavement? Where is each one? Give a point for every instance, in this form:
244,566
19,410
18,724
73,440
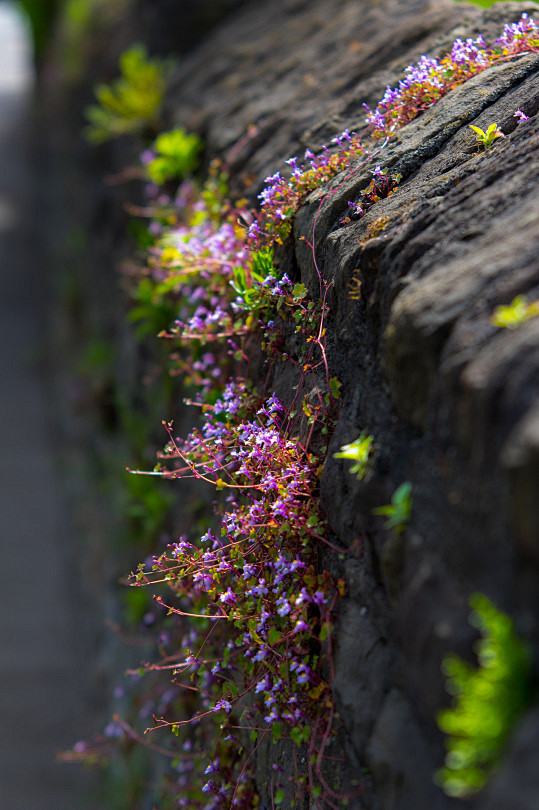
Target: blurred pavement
41,707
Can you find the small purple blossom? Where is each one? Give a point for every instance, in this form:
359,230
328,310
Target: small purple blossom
228,597
469,52
283,606
147,156
223,704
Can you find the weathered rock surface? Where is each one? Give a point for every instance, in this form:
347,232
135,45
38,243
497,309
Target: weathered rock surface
453,402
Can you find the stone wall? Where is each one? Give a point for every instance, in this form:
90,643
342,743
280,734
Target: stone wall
452,401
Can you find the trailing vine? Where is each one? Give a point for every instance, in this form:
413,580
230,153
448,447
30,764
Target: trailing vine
244,637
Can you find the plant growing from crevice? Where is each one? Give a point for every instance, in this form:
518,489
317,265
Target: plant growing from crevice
488,700
132,102
399,511
380,187
431,78
486,139
358,451
243,612
515,314
173,156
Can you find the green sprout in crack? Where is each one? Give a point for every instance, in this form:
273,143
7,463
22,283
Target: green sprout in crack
515,314
359,452
487,700
399,511
486,139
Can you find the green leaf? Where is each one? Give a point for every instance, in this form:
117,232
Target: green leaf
276,731
478,131
299,292
399,510
335,387
300,735
274,635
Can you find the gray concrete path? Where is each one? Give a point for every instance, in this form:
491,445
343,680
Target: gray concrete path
41,682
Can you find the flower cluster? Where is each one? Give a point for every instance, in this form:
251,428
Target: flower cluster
244,612
256,578
194,262
282,196
422,85
519,37
430,78
381,186
248,611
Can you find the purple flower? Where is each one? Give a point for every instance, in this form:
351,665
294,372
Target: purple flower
469,51
271,716
302,597
263,686
249,570
264,616
258,590
223,704
229,597
283,606
273,178
521,116
515,34
113,730
375,119
356,209
205,582
147,156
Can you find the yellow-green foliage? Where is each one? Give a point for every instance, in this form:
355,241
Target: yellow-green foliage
486,139
132,102
176,156
487,700
517,313
358,452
